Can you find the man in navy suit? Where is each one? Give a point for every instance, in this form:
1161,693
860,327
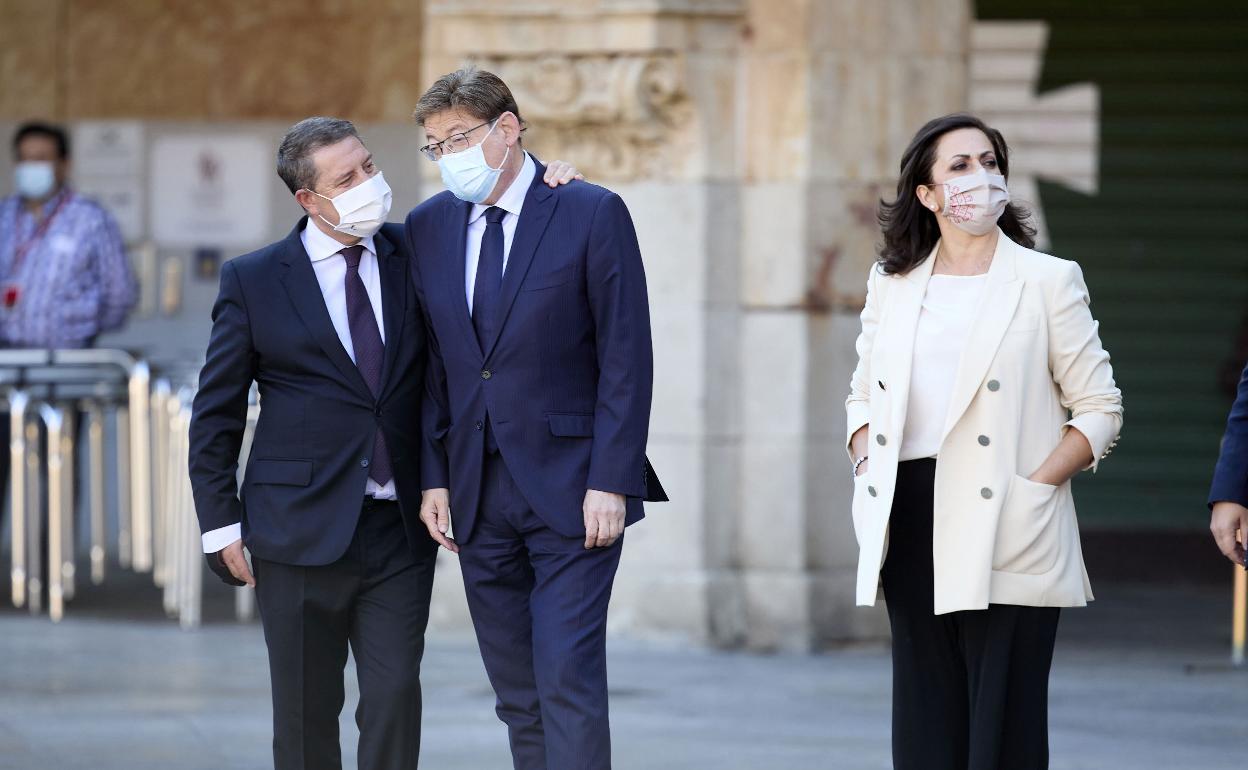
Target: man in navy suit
327,324
1228,496
537,415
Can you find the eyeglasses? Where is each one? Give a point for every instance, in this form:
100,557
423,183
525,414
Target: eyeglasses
453,143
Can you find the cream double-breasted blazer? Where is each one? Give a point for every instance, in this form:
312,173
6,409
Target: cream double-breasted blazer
1032,368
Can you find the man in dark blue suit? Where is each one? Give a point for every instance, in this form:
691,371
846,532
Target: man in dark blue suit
1228,497
538,411
326,322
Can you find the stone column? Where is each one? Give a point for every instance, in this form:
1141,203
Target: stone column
834,89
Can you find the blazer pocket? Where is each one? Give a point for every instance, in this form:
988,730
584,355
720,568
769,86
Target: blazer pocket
1027,530
293,473
571,425
549,280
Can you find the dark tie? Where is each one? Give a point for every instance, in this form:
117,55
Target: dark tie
369,352
489,278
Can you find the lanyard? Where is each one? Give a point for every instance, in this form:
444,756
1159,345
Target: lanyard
23,248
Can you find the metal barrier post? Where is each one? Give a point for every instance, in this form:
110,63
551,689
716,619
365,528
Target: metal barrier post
34,520
1239,616
95,446
18,401
141,467
68,564
165,423
161,403
124,513
189,544
56,488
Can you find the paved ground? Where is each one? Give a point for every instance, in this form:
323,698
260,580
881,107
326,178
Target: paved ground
1139,683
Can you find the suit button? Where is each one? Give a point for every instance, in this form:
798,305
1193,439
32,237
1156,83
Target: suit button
994,386
364,462
985,493
879,439
983,441
485,374
880,383
871,491
480,425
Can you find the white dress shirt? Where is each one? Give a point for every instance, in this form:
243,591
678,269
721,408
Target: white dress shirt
331,274
511,201
944,326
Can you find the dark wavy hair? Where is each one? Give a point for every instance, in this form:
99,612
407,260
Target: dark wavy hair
910,229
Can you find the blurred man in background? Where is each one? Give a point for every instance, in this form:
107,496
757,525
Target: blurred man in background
64,275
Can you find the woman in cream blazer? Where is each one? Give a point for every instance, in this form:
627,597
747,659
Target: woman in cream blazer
981,388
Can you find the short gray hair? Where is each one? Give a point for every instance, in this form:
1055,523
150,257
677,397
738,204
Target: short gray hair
481,94
294,155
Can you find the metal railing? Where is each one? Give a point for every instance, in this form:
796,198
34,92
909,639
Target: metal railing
146,425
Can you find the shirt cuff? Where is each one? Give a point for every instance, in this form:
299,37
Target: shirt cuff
215,540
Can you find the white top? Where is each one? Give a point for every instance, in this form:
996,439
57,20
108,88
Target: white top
331,274
944,326
511,201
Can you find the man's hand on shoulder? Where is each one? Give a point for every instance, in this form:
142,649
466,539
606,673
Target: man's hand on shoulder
604,518
560,172
435,512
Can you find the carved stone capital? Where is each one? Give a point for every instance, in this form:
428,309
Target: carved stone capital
616,116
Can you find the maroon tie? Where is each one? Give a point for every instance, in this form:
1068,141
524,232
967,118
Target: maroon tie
369,352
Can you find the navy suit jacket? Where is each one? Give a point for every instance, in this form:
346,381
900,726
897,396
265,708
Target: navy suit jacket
306,474
1230,476
566,382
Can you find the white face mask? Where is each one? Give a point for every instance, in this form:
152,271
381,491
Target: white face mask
974,202
34,179
467,174
363,209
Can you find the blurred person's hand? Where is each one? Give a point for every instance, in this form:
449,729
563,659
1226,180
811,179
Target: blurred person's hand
1228,519
234,560
435,512
561,172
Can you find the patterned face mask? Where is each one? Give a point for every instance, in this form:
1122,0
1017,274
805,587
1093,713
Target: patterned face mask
974,202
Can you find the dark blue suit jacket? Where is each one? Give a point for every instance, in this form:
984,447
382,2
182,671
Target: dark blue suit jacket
307,470
566,382
1230,476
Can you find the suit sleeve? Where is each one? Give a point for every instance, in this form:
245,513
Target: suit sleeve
434,411
616,284
858,404
219,412
1230,475
1080,367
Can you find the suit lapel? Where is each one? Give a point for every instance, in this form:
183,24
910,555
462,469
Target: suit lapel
392,269
996,309
539,204
906,301
456,270
299,280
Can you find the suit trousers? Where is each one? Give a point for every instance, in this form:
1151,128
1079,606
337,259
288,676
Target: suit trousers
971,688
375,599
539,606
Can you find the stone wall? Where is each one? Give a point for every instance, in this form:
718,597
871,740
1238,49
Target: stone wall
226,59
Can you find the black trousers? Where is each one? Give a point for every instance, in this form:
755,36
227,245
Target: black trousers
970,689
375,598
